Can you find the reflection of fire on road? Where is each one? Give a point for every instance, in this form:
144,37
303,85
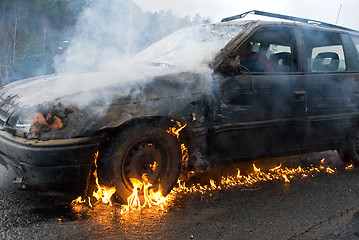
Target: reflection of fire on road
143,192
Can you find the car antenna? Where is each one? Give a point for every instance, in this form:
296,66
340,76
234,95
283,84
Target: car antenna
285,17
340,8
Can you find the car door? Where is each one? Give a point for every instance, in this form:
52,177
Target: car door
331,85
260,113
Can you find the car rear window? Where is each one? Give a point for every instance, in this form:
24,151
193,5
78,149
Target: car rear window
324,50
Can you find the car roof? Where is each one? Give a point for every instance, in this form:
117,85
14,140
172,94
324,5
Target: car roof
290,20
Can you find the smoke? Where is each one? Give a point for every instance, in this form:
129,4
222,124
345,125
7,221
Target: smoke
103,62
107,36
109,32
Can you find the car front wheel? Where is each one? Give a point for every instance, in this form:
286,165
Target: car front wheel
145,151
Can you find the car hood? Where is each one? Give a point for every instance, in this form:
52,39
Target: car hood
80,89
92,101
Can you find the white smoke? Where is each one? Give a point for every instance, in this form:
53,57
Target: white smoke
98,70
110,31
108,34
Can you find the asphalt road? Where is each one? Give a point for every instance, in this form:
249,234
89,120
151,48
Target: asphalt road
322,206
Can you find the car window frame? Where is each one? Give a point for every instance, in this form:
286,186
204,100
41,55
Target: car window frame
350,58
260,26
355,54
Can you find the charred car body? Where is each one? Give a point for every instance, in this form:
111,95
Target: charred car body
302,96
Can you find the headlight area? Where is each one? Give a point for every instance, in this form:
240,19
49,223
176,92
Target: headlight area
45,122
37,122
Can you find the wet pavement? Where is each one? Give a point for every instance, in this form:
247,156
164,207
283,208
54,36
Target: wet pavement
322,206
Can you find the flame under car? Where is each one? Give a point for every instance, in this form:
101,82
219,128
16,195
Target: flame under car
298,93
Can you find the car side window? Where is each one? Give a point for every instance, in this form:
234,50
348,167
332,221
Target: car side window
356,42
281,58
324,51
268,50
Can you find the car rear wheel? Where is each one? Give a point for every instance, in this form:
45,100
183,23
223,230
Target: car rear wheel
351,149
148,150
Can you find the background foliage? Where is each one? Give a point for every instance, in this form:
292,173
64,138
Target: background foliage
34,32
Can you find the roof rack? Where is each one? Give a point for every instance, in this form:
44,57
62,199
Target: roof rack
285,17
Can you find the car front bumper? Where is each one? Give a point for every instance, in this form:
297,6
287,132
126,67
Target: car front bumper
53,166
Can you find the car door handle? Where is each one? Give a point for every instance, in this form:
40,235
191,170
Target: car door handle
300,97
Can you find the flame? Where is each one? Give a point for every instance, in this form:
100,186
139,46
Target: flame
151,197
279,172
350,166
153,166
133,201
143,191
102,193
256,170
213,184
78,200
329,170
176,130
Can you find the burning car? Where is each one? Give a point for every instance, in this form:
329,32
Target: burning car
296,91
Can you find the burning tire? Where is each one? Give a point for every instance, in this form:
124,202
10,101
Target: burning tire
145,151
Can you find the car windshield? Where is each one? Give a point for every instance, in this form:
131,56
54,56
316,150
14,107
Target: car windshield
191,46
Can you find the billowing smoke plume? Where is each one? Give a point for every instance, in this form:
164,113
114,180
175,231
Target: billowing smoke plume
98,65
110,30
108,34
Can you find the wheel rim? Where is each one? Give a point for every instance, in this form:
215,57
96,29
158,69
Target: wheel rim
144,157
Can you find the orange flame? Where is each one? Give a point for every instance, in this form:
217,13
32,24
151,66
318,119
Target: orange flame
78,200
151,197
277,173
102,193
133,201
350,166
176,130
153,166
329,170
142,188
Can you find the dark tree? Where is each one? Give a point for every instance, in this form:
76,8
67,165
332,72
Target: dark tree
35,32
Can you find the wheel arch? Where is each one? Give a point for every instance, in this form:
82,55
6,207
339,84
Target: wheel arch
105,163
